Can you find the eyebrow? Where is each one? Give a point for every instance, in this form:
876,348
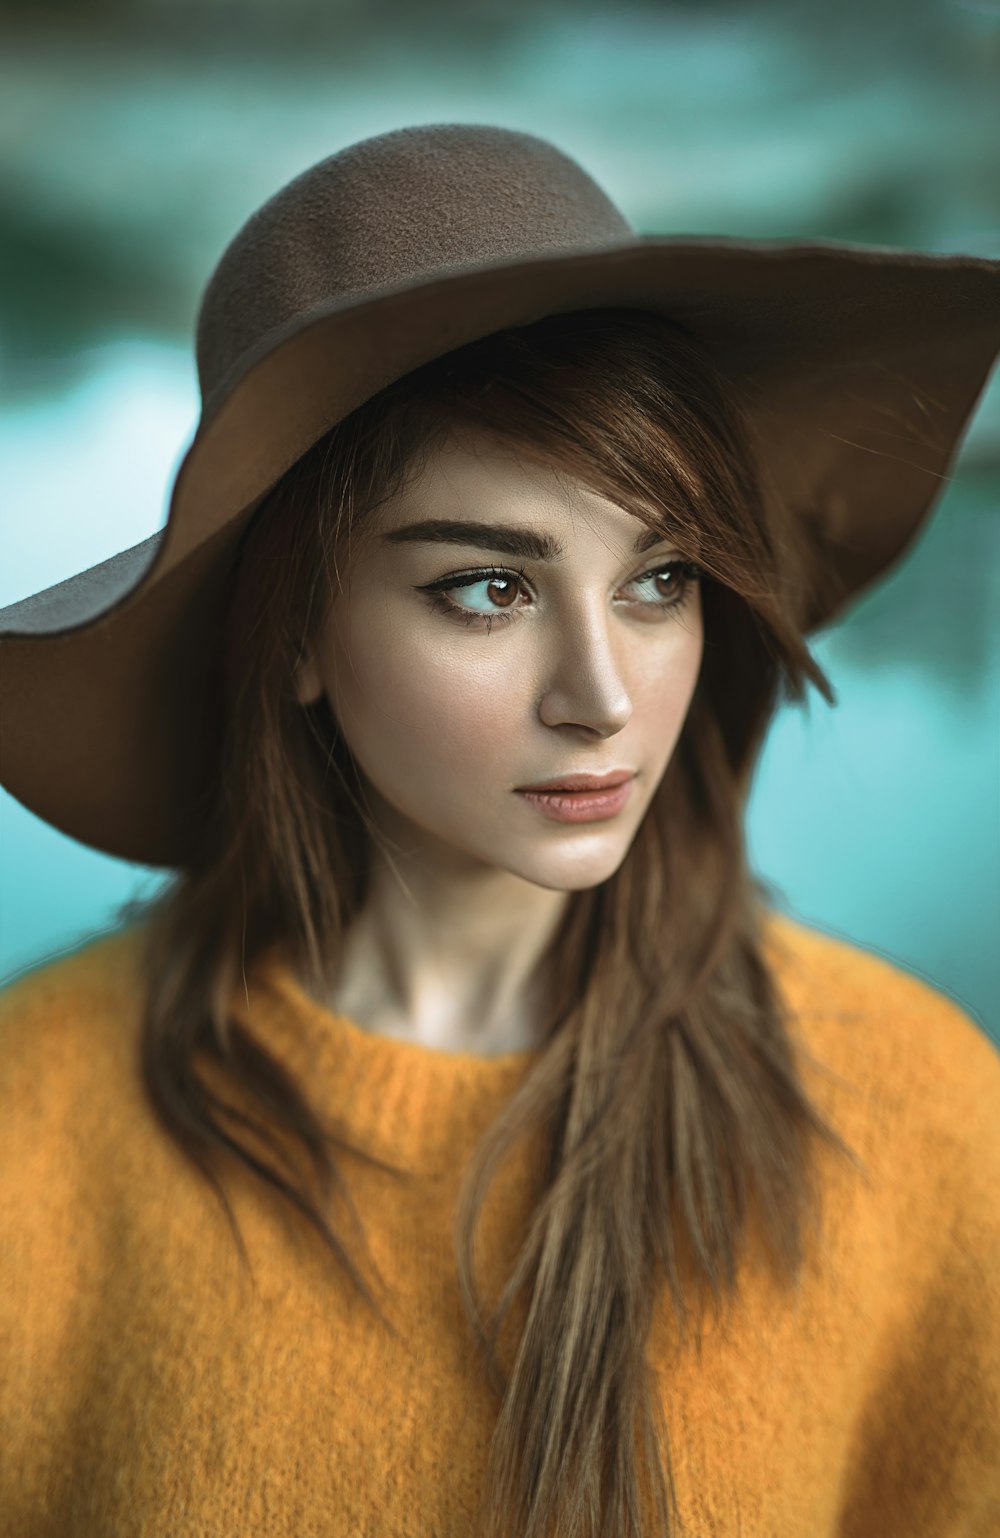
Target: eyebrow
512,539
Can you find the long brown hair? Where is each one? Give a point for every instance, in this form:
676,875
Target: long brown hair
666,1089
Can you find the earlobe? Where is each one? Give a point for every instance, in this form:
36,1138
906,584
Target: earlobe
308,684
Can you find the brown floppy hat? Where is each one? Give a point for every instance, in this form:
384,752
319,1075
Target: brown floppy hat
860,367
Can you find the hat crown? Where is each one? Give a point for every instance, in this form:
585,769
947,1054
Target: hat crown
388,211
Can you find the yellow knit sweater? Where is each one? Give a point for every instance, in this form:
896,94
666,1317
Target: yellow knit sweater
146,1388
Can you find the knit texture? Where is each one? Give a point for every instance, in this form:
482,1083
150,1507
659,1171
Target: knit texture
147,1388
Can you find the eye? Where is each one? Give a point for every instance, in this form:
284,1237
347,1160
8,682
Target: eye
505,582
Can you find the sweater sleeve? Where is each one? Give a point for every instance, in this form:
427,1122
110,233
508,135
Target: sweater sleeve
53,1221
928,1444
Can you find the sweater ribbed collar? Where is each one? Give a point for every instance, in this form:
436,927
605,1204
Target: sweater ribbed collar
413,1105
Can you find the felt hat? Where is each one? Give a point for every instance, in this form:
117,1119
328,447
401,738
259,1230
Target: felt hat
860,367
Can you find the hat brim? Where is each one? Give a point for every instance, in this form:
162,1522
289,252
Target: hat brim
860,367
795,325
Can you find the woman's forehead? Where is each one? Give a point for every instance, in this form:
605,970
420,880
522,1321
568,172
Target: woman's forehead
492,482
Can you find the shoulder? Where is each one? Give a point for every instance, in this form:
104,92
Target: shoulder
926,1072
66,1023
70,1105
824,973
101,967
924,1111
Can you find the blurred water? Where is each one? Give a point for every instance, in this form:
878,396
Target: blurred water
123,174
125,170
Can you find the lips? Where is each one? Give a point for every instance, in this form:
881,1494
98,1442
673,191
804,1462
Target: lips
570,782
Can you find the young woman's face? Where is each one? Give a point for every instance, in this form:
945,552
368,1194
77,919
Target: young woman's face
584,667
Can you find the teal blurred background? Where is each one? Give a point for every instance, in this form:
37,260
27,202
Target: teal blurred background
137,135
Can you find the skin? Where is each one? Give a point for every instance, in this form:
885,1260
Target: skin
446,720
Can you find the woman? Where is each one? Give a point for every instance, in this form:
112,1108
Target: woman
488,493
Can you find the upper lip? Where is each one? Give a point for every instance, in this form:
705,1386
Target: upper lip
583,781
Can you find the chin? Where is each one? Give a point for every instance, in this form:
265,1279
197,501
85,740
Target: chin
570,881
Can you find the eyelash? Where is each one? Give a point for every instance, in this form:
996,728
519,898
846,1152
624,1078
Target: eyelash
437,592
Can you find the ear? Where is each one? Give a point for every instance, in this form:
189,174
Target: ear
307,681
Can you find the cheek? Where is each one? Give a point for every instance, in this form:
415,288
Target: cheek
407,717
460,717
664,678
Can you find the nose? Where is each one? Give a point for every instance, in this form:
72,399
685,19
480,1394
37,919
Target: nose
585,676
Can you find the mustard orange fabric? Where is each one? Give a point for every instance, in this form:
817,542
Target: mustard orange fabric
147,1387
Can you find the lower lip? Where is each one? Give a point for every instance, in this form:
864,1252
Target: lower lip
580,805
